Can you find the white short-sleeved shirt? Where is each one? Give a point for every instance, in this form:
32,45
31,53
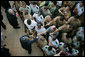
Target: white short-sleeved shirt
31,26
61,44
74,51
38,18
40,30
52,52
55,43
27,8
34,9
59,3
80,33
80,9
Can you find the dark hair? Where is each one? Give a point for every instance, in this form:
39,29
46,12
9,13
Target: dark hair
46,7
54,2
62,18
63,54
47,2
34,3
51,16
29,21
39,25
26,12
50,48
54,38
76,17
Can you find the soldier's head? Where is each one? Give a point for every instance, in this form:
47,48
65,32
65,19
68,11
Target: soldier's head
76,17
62,18
67,8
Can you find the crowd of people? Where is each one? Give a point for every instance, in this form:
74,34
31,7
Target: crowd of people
56,26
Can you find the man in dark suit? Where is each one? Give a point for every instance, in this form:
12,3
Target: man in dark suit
12,18
26,42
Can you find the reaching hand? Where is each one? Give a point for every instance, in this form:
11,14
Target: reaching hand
38,34
51,33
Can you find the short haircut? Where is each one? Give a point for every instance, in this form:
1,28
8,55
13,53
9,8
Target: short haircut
34,3
62,18
26,12
50,48
39,25
28,21
76,17
54,38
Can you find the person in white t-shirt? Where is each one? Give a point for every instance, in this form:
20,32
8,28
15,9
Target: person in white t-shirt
39,28
30,24
38,17
49,50
54,42
34,7
59,3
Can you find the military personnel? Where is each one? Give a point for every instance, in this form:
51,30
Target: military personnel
41,42
47,20
65,39
57,21
63,29
17,5
45,11
74,21
65,11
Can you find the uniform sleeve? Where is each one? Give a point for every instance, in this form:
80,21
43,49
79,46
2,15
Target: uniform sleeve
61,27
62,8
46,18
69,20
79,22
56,18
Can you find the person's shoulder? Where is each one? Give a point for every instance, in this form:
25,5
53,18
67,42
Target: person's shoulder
53,49
25,20
46,46
37,6
33,21
56,40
